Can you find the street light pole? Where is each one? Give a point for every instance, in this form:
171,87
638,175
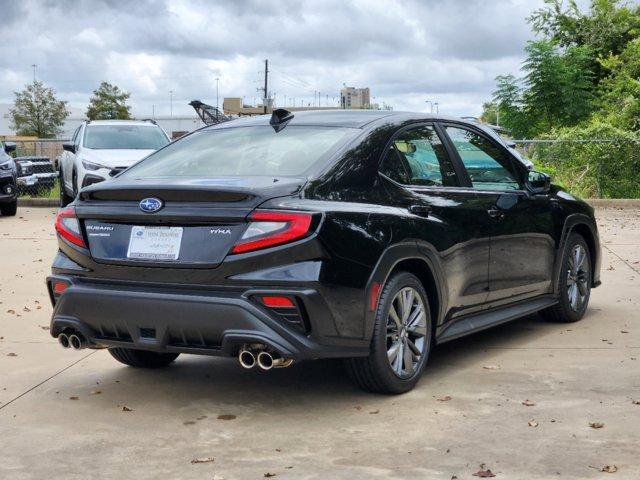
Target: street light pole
171,103
430,104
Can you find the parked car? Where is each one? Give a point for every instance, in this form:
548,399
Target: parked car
100,149
36,175
365,235
8,180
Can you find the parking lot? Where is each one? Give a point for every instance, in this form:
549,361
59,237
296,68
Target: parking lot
518,399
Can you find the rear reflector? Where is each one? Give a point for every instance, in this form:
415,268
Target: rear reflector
59,287
267,229
68,226
277,302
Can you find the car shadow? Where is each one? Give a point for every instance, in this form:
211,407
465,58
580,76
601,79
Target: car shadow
208,382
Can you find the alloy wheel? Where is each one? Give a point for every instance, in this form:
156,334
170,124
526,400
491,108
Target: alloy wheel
406,332
577,277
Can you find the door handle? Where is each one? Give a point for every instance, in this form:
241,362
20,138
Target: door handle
495,212
421,210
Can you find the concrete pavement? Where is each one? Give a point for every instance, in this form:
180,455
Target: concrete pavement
61,412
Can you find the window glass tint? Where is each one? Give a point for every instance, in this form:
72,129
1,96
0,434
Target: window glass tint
124,137
488,166
258,150
418,157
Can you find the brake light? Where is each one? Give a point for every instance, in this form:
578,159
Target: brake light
68,226
267,229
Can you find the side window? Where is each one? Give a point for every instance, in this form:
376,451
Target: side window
77,137
418,157
488,166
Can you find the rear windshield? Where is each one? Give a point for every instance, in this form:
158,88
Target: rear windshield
243,151
124,137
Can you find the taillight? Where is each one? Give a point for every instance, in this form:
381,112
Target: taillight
267,229
68,226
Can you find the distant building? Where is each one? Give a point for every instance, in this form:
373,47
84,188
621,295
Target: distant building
234,106
351,97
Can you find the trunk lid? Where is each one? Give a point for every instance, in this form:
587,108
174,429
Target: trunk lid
201,219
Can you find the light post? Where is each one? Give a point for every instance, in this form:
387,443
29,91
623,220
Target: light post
430,104
171,103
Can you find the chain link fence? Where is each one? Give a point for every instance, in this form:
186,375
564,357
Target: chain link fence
36,161
589,168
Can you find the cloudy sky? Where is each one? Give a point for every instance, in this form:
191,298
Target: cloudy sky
446,51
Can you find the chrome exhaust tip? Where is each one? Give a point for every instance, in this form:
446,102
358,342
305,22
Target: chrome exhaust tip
76,342
247,359
63,340
265,360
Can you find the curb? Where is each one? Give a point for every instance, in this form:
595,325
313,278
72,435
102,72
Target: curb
38,202
594,202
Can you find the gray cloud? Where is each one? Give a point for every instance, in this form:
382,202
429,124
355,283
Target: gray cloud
406,51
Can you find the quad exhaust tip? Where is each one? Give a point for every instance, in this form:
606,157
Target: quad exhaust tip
247,359
63,340
256,354
73,340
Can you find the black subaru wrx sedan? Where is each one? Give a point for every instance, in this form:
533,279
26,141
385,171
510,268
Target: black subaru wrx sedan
365,235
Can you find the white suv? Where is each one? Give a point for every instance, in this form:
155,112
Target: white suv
101,148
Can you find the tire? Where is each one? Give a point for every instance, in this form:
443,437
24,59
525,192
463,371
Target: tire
572,308
9,209
64,198
74,183
380,372
142,358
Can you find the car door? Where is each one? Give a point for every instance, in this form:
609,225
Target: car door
445,220
520,224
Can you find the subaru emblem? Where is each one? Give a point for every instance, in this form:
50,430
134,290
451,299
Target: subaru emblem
151,205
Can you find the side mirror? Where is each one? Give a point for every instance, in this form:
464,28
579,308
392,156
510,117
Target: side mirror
9,147
538,182
69,147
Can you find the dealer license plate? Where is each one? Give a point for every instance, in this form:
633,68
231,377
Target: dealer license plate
155,243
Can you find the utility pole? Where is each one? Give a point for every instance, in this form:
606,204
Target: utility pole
171,103
217,104
266,85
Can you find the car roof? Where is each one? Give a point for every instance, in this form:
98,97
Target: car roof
337,118
122,122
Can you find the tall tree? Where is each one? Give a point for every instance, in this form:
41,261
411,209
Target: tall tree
37,112
109,103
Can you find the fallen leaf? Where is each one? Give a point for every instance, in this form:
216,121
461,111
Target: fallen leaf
624,331
374,412
226,417
127,409
96,392
529,403
12,312
202,460
11,354
609,469
484,473
446,398
596,424
44,327
268,475
533,423
189,422
26,309
491,367
636,402
73,398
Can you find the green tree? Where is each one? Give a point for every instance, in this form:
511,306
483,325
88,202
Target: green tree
109,103
621,88
37,112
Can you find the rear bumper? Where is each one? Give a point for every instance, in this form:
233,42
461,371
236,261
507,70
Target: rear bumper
180,320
